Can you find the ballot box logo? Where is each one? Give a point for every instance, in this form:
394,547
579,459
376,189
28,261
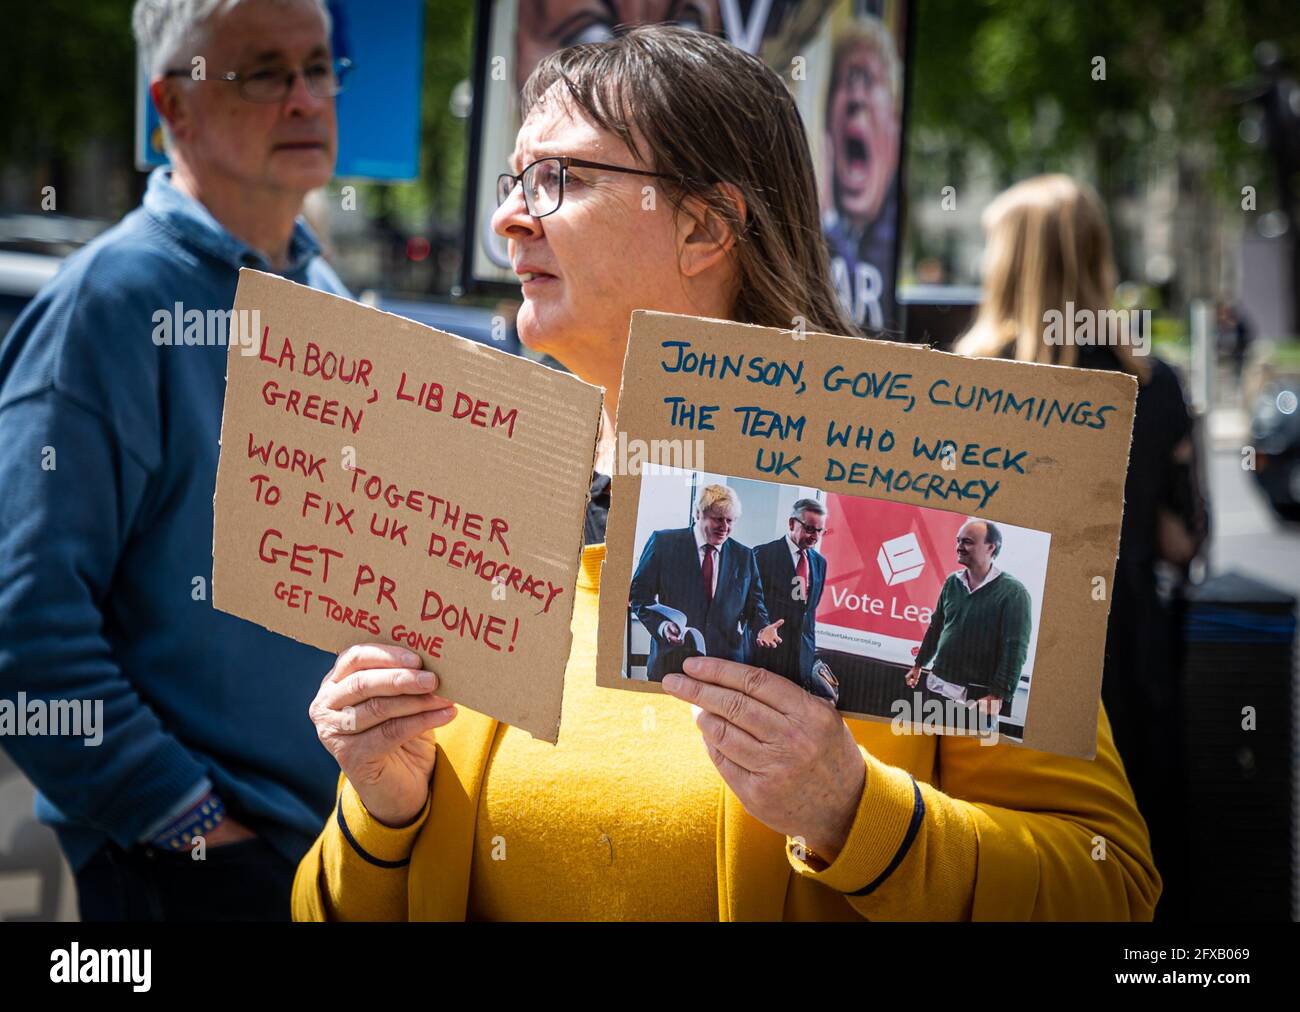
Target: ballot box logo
900,559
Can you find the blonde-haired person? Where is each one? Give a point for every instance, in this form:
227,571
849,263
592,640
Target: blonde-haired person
703,578
767,804
1048,259
713,497
1047,253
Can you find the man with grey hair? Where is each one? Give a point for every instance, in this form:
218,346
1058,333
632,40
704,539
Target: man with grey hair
209,784
793,574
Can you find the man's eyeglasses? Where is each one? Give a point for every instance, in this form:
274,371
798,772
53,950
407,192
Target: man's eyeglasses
324,79
543,182
819,531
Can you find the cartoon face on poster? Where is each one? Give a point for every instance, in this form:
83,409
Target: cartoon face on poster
861,128
842,59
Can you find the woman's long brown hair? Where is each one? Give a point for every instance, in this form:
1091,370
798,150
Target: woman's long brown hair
709,113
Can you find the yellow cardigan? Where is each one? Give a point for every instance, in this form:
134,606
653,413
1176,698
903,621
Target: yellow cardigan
947,829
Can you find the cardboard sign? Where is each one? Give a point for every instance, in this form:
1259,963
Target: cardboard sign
380,481
924,441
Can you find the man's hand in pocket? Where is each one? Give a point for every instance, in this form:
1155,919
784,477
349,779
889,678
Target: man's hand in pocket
228,831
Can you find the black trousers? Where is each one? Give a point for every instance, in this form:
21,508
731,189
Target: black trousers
244,881
1143,694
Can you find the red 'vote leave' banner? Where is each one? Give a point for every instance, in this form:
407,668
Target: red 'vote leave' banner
885,564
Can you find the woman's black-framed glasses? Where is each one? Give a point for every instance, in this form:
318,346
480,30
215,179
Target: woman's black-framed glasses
324,79
543,182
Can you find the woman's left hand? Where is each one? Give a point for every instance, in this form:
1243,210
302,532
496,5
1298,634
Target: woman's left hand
788,756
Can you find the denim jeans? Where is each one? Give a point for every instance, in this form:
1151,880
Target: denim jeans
244,881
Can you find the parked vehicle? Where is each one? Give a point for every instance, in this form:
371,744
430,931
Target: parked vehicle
462,319
21,276
33,246
1275,435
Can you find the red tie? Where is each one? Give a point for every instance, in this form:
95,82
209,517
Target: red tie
708,572
801,571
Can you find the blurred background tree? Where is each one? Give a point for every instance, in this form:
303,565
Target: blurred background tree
69,67
1137,98
1002,89
1020,79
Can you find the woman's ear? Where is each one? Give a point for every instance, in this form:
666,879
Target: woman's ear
705,238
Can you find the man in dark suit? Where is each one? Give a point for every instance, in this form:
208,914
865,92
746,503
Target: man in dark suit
793,574
708,581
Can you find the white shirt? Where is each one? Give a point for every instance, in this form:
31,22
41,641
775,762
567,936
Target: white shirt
794,552
963,578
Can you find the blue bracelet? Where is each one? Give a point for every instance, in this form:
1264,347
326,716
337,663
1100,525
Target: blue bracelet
198,821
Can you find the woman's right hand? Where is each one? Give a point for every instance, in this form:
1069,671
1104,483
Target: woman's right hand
376,713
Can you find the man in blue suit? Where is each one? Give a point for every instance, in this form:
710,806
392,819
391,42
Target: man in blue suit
793,574
697,591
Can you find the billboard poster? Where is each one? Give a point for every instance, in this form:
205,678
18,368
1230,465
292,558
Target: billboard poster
379,110
843,60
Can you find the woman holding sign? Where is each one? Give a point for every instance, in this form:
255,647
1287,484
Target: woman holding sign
667,170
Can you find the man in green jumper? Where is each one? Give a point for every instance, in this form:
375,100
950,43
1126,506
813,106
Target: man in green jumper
979,633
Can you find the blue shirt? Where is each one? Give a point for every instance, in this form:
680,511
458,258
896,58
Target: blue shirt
108,462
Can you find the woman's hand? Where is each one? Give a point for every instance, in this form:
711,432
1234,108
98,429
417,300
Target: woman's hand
788,755
375,713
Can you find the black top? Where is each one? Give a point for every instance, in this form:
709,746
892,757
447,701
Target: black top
1161,421
597,510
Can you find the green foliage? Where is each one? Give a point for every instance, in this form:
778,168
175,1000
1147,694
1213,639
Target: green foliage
1169,330
69,68
1017,78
